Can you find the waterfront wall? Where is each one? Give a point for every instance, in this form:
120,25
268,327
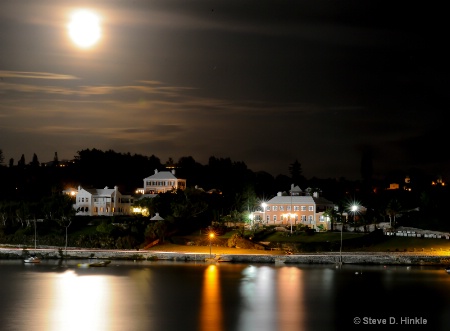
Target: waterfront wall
317,258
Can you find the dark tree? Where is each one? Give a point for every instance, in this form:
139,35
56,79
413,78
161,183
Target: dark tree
295,170
21,162
2,158
35,162
55,160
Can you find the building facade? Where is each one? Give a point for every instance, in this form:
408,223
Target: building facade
294,209
102,202
163,181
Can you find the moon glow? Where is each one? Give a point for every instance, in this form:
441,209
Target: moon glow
84,28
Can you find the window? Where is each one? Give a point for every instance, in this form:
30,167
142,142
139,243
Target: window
275,208
311,208
288,208
268,218
281,208
82,199
303,208
321,219
310,218
86,209
87,199
296,208
274,218
281,218
268,208
95,210
303,218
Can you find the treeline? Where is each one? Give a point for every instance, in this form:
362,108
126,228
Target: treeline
97,169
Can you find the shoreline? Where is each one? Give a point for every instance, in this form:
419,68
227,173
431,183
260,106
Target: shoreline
357,258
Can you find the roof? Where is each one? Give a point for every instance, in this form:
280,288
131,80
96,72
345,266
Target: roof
157,218
100,191
296,199
162,175
322,201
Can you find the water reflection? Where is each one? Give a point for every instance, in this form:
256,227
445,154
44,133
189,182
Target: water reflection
80,302
273,299
238,297
290,299
211,305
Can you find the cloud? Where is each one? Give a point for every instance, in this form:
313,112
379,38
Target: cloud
34,75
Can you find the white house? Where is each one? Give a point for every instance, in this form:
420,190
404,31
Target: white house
102,202
163,181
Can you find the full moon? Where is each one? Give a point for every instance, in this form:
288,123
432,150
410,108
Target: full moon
84,28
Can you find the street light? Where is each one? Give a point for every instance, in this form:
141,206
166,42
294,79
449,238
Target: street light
354,209
211,237
264,205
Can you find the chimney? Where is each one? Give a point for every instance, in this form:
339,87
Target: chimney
156,171
316,194
279,194
173,172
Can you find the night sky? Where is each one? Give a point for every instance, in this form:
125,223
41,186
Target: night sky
262,82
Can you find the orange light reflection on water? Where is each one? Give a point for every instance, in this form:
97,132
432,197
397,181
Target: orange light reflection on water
291,306
211,304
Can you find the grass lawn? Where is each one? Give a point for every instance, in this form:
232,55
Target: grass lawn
388,244
317,237
410,244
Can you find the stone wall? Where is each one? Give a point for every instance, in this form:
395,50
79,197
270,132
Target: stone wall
316,258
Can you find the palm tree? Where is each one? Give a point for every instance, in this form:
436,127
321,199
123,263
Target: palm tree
392,210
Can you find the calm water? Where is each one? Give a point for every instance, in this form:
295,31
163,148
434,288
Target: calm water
166,296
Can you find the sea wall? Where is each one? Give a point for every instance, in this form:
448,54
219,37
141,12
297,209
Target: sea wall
317,258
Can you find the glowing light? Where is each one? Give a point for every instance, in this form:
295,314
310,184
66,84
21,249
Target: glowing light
211,305
84,28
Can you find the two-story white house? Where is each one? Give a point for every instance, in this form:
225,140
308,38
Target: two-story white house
102,202
295,208
163,181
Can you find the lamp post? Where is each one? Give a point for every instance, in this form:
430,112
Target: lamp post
35,233
354,209
340,249
264,205
290,220
211,237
